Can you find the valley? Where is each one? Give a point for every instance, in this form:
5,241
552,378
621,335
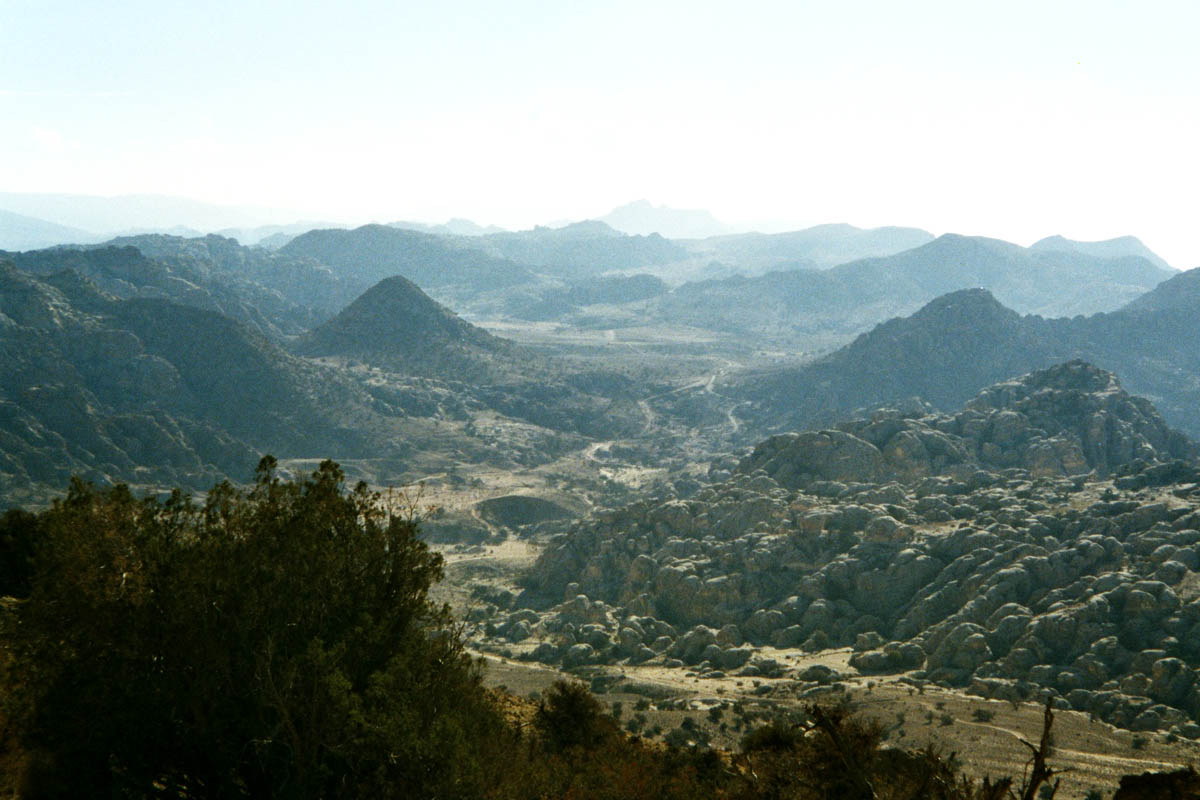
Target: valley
713,501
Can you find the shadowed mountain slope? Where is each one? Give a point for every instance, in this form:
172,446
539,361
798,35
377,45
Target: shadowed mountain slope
19,232
821,246
965,340
150,391
395,324
583,249
642,217
1109,248
364,256
851,297
274,295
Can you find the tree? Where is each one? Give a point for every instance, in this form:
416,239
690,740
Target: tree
276,641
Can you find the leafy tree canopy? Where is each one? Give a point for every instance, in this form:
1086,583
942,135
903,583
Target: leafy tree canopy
272,641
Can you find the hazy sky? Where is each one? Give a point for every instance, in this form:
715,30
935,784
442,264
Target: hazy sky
1009,119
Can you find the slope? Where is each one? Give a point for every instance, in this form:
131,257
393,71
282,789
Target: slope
19,232
1108,248
852,297
820,246
364,256
149,391
395,324
960,342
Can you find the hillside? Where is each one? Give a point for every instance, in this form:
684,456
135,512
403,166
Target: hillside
583,249
397,325
183,271
965,340
643,218
364,256
153,392
295,291
19,232
963,550
82,395
943,354
1109,248
821,246
852,297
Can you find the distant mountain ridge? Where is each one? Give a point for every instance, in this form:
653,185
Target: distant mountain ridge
818,247
1108,248
960,342
640,217
583,249
20,232
109,215
852,297
453,227
364,256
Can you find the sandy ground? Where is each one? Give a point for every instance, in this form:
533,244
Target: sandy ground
985,735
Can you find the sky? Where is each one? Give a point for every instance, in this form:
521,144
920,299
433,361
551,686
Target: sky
1016,120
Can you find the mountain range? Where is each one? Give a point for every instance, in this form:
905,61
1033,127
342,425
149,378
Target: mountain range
344,339
851,297
965,340
642,218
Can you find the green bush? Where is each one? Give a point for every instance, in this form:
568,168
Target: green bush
274,641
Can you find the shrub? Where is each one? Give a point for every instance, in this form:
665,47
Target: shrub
274,641
570,716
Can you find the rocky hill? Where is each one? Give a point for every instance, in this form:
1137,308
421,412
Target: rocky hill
80,395
1013,577
1066,420
148,391
364,256
963,341
19,232
818,247
1109,248
582,249
852,297
397,325
274,295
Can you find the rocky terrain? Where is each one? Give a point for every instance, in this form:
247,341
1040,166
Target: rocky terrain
1044,540
965,340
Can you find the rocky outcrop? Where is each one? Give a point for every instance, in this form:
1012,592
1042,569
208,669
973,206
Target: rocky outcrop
1013,581
1069,419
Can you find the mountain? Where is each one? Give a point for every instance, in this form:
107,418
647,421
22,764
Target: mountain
364,256
582,249
943,354
292,290
82,395
959,343
973,546
134,212
274,295
395,324
19,232
1067,419
273,236
851,297
453,227
820,247
149,391
1109,248
1181,292
640,217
